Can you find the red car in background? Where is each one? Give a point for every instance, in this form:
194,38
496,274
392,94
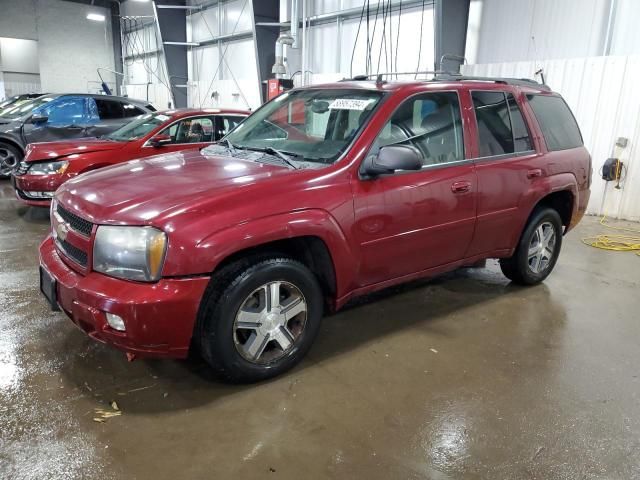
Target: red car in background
48,165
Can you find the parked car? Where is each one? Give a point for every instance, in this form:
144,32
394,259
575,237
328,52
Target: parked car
46,166
61,116
237,250
16,100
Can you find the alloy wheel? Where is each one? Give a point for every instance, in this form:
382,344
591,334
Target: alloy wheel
269,322
542,247
8,162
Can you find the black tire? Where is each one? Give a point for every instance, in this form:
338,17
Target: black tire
216,335
8,153
518,268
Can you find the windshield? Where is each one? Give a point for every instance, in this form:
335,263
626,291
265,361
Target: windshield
22,108
310,125
138,128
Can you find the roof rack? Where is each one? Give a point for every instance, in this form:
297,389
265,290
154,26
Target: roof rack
444,76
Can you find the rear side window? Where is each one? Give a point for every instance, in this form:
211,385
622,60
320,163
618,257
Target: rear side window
109,109
130,110
501,127
557,123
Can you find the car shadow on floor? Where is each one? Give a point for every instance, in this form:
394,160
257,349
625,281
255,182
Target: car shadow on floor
151,386
35,215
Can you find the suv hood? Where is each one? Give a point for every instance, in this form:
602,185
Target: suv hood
64,148
145,191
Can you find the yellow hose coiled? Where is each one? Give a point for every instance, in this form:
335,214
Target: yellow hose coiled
616,242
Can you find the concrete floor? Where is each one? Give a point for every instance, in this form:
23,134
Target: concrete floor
464,376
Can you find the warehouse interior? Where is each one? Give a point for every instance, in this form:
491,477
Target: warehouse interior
458,374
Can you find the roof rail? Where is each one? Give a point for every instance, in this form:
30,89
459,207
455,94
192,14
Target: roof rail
521,82
444,76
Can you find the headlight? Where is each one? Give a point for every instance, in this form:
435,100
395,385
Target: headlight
48,168
132,253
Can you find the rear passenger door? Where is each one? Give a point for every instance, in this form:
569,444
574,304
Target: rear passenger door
410,221
112,114
506,165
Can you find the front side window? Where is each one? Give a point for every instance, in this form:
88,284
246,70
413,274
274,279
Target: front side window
68,110
430,122
311,125
501,126
138,128
556,121
191,130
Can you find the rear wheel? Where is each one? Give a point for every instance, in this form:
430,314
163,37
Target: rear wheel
538,249
260,319
10,156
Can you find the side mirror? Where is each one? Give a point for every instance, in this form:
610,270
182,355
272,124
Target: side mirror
392,158
36,119
160,140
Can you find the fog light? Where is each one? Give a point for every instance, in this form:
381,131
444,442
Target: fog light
115,322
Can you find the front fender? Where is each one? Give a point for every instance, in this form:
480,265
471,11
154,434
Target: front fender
214,248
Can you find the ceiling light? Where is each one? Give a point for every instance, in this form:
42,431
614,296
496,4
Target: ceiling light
96,17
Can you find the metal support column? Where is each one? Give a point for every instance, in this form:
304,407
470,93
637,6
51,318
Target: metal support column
171,17
265,36
116,37
451,21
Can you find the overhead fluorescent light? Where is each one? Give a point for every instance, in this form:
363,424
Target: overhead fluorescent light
96,17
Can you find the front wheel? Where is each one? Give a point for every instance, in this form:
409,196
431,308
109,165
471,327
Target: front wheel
538,249
9,159
259,318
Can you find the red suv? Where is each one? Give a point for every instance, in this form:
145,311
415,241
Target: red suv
48,165
322,194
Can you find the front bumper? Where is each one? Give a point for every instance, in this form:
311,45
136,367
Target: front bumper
159,317
24,184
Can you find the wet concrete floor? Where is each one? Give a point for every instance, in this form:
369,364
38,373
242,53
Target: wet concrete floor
465,376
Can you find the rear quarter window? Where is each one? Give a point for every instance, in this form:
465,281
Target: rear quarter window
556,121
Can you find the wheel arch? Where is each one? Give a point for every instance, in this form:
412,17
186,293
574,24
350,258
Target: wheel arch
13,143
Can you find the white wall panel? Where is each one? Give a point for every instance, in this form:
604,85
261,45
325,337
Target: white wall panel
603,94
560,29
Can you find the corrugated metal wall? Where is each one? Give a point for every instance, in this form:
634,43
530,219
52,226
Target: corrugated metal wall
604,96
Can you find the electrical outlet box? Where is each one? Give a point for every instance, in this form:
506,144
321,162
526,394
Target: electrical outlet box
622,142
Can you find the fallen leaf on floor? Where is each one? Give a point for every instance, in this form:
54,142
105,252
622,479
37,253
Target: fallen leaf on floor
433,350
114,405
165,394
99,420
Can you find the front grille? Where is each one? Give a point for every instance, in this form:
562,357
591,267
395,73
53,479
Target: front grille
21,169
74,253
79,224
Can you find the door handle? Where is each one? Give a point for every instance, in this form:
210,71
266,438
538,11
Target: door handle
461,187
536,172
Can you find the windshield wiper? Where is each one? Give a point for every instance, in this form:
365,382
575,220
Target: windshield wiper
278,154
230,145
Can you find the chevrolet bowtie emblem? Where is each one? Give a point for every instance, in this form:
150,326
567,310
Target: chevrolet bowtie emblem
61,231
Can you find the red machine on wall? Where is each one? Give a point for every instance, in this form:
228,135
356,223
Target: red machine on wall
276,86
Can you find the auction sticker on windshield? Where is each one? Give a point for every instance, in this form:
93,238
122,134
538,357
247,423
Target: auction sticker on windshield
350,104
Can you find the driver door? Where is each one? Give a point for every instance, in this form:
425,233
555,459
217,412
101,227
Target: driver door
411,221
68,117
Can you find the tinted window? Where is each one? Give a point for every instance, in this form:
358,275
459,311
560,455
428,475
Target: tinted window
431,123
556,121
109,109
130,110
139,127
494,126
521,138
